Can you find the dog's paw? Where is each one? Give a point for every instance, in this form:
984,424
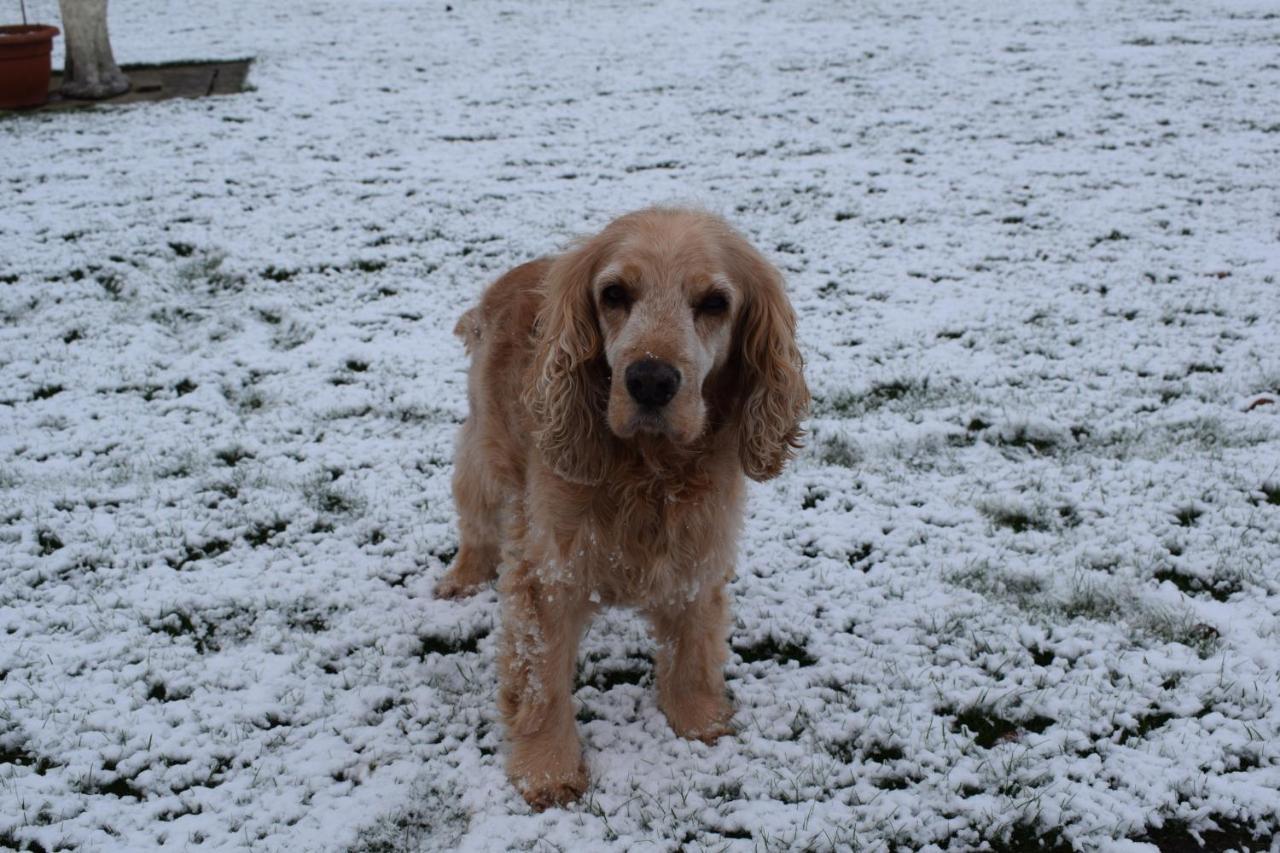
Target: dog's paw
452,586
708,732
472,571
554,790
707,719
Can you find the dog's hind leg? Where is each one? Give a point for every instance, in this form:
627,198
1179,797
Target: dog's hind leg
479,500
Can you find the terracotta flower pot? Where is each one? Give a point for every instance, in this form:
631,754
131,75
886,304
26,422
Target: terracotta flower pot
24,64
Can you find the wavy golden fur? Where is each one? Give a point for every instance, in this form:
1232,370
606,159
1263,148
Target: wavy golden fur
618,394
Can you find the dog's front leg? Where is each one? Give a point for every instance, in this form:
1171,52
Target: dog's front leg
692,646
542,624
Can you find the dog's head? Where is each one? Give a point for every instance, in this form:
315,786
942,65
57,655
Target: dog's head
665,325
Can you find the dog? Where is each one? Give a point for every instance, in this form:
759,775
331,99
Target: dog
618,393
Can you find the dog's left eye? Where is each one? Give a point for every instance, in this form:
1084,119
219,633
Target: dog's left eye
713,304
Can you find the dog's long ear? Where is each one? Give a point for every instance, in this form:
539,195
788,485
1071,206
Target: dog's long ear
568,389
772,395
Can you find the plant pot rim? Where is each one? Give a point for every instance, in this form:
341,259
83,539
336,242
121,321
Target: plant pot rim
11,34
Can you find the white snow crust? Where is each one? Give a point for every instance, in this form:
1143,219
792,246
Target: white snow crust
1023,583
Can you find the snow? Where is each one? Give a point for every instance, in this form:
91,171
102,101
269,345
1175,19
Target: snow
1024,579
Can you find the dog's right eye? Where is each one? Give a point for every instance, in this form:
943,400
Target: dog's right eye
615,296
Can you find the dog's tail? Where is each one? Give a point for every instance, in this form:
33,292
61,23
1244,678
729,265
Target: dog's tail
469,328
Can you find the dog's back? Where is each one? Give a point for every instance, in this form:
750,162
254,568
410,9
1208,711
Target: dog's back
507,310
498,336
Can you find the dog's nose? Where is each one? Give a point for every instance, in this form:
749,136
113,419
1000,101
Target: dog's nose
652,382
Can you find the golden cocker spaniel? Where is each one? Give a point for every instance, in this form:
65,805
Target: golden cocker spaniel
618,394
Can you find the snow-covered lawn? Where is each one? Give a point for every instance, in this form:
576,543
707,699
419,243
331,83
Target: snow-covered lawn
1022,588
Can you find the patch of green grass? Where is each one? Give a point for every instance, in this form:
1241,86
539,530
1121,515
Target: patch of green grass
983,578
433,644
770,648
1268,493
161,692
1112,236
1089,596
1214,832
106,784
291,335
1027,436
48,541
445,554
421,414
324,494
897,392
174,316
1019,519
1206,432
989,728
206,630
1187,515
883,752
1147,723
1091,599
262,533
1041,657
813,496
268,315
1068,516
279,274
1178,626
1028,836
1220,589
232,456
205,272
308,618
860,557
10,841
894,782
194,553
14,750
606,674
838,450
893,389
437,820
